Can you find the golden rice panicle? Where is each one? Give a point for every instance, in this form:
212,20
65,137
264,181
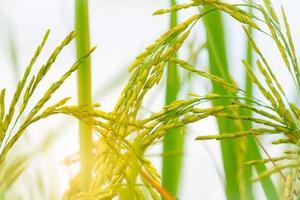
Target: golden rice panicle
269,81
226,136
283,41
290,48
255,80
22,83
264,161
262,112
271,10
282,110
265,62
52,89
29,119
155,49
275,37
175,8
275,169
35,56
51,109
44,69
113,167
148,69
231,9
288,33
230,87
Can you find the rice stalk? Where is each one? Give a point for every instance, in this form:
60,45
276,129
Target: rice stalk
125,136
173,140
84,89
274,93
218,66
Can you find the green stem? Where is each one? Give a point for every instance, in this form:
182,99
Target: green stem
254,154
173,140
84,90
219,67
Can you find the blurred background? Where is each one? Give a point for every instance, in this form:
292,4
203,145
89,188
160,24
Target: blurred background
121,29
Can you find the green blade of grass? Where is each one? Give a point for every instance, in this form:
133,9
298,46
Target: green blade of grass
173,140
218,66
84,90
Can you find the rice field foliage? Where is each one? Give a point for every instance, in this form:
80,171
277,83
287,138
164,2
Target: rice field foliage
16,117
121,168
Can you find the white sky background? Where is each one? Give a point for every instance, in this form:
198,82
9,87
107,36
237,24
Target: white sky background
120,29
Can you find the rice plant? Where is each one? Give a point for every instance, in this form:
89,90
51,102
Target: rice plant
115,165
84,90
16,117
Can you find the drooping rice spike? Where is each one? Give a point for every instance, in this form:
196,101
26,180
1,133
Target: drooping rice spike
236,135
262,112
175,8
288,33
264,161
39,105
271,10
275,170
256,81
257,50
233,10
22,83
284,141
160,45
231,87
278,42
44,70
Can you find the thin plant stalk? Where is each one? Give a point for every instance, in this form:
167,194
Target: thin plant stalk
173,140
219,66
84,90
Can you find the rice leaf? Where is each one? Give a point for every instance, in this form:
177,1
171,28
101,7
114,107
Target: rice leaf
174,139
218,66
